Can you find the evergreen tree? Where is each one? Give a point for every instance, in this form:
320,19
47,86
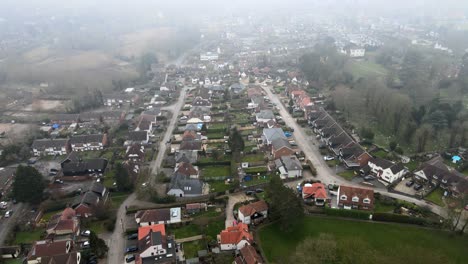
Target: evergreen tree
122,178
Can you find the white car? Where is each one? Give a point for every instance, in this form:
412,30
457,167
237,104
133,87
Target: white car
328,158
3,205
8,214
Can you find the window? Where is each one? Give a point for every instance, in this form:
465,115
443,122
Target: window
366,200
355,199
343,197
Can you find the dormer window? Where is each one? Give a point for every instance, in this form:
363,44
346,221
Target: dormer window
366,200
355,199
343,197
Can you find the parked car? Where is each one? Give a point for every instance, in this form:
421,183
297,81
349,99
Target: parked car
328,158
3,205
259,190
58,181
131,249
409,183
129,258
369,178
8,214
86,233
417,187
132,236
86,244
52,173
53,170
249,192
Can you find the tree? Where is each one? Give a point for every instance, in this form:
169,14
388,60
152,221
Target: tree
98,246
216,154
285,205
367,133
28,185
236,142
392,145
122,178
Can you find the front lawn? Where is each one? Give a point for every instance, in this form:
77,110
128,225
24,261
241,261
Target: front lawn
118,199
189,230
436,197
216,171
191,248
347,174
28,237
381,243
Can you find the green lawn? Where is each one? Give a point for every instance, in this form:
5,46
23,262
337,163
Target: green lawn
332,163
209,213
347,174
217,126
14,261
216,171
27,237
382,208
389,243
380,154
365,69
46,217
191,248
117,200
218,186
412,165
97,227
255,170
186,231
214,228
436,197
216,135
257,180
253,158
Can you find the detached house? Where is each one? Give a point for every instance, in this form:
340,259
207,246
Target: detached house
281,147
158,216
270,134
64,223
44,250
248,255
355,198
386,170
155,246
235,237
289,167
315,193
264,116
253,213
85,203
88,142
182,186
50,147
187,169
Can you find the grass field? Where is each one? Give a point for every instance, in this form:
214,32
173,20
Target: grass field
214,228
186,231
216,171
436,197
347,174
191,248
27,237
218,186
365,69
389,243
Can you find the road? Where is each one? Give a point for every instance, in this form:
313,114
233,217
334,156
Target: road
324,173
7,224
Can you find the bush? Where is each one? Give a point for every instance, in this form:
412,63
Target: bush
109,225
347,213
388,217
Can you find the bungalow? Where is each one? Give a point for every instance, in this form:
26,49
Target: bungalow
88,142
187,169
50,147
355,198
199,101
281,147
84,204
315,193
386,170
253,213
235,237
248,255
158,216
182,186
354,156
191,135
155,246
135,153
64,223
270,134
338,142
289,167
73,165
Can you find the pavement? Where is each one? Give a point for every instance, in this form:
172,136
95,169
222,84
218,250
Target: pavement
324,173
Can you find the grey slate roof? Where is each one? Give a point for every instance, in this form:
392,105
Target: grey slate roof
265,114
280,143
189,186
41,144
289,163
273,133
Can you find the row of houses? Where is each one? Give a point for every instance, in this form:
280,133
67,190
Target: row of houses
61,146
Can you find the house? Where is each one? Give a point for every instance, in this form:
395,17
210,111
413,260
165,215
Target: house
248,255
7,175
354,156
187,169
158,216
68,258
355,198
49,147
139,137
190,145
235,237
190,135
9,252
253,213
48,248
85,204
135,153
236,88
155,246
264,116
190,156
195,208
386,170
289,167
199,101
88,142
270,134
73,165
64,223
315,193
182,186
281,147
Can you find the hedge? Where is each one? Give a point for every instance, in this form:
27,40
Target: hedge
389,217
348,213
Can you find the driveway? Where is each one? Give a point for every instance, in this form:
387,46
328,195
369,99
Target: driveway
233,199
324,173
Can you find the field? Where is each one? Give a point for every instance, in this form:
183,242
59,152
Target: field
13,132
384,243
366,69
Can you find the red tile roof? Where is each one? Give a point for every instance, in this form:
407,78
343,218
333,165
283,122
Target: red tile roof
361,193
235,234
48,248
145,230
315,190
250,255
250,209
186,169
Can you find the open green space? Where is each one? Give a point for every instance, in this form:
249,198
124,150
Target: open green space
189,230
216,171
365,69
28,237
191,248
347,174
384,243
436,197
379,207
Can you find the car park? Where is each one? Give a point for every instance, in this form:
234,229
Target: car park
131,249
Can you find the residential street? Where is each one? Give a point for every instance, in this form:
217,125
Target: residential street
7,224
324,173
